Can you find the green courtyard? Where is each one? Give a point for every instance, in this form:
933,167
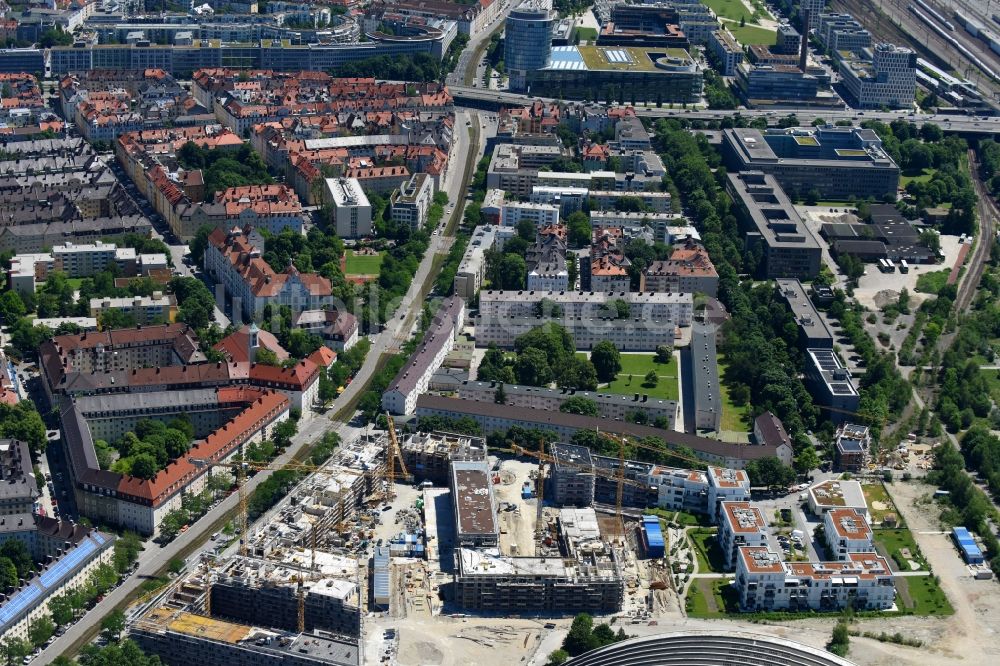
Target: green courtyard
635,367
362,264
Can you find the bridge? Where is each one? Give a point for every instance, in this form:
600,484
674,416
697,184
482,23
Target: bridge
492,100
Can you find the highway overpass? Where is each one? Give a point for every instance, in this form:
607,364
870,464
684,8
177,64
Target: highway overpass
492,100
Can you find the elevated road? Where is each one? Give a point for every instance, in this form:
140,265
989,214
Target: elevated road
984,126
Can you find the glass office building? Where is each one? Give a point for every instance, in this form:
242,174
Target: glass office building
527,40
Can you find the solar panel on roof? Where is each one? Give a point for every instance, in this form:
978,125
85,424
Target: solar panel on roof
67,563
18,603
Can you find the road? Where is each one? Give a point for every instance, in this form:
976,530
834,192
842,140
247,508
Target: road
965,124
154,559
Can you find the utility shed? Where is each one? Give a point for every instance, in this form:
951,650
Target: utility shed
967,545
653,537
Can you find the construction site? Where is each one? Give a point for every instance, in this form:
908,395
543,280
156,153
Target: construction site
398,539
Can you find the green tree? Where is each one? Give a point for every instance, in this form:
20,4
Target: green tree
8,574
61,608
578,231
41,630
664,354
17,553
11,307
113,625
580,636
144,466
14,650
769,472
607,360
651,380
532,368
558,658
579,405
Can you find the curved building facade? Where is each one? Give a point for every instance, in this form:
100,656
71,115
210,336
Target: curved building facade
527,40
708,649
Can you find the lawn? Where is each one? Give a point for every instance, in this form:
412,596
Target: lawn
363,264
993,379
734,418
892,541
634,370
75,282
680,517
731,9
925,596
753,34
932,283
875,494
586,34
912,176
706,547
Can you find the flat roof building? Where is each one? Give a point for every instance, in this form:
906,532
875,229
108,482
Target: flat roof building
476,524
837,494
572,477
837,162
771,221
740,524
703,372
352,213
831,385
847,532
813,330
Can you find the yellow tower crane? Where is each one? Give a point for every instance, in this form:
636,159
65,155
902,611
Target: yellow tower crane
393,454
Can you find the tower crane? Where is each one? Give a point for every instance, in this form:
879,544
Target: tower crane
393,454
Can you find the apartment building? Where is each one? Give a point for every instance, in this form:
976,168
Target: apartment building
472,269
688,270
634,334
159,308
75,552
768,430
18,490
338,329
572,476
609,405
491,582
656,202
847,531
726,484
428,455
410,203
701,366
765,583
842,32
495,304
414,377
541,214
741,524
232,261
837,494
789,248
493,417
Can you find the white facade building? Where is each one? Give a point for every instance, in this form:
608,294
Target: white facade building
540,214
765,583
411,202
352,213
740,524
414,377
847,532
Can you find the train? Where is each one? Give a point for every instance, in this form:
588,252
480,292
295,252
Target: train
936,26
935,14
979,31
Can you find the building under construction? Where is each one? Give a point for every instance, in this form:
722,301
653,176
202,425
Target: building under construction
248,611
325,509
585,576
429,455
267,592
182,638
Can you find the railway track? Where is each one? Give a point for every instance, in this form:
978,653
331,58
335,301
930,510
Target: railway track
988,213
